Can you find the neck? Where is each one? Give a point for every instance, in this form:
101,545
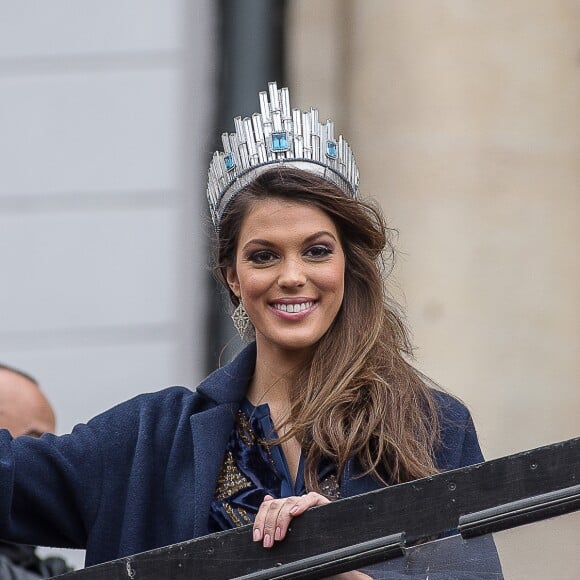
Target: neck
274,376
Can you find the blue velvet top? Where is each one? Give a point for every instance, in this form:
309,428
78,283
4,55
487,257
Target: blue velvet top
252,468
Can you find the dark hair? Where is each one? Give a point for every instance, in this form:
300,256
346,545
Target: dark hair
358,397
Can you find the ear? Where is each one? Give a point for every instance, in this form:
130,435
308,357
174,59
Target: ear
233,282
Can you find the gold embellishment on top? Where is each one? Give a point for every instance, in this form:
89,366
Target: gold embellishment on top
230,480
330,488
244,429
239,516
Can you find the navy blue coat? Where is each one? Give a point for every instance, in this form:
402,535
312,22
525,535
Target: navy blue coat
142,475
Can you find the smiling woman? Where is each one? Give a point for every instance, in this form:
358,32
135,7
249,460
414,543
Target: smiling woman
304,261
322,403
333,408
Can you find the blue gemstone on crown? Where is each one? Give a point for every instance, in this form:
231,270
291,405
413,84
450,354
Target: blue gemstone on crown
280,141
331,150
229,161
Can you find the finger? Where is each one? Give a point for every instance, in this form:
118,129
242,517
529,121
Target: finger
306,502
284,517
260,519
293,507
270,527
275,515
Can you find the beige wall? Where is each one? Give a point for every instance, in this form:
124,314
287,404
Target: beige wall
465,118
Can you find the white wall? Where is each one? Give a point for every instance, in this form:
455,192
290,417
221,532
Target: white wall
104,126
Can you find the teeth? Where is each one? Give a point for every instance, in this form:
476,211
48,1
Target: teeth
293,307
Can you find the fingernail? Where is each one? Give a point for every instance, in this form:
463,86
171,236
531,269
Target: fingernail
267,541
257,535
278,534
294,509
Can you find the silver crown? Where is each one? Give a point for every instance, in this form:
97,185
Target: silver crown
278,135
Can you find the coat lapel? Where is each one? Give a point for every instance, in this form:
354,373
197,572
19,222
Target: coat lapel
222,393
211,430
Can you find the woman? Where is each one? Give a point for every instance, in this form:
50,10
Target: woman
332,399
323,403
302,259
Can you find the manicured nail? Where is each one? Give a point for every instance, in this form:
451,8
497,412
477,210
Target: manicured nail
278,534
257,535
267,541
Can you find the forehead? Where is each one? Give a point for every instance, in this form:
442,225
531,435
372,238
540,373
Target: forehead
285,218
13,379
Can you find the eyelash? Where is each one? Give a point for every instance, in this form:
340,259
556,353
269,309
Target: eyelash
317,252
321,250
261,257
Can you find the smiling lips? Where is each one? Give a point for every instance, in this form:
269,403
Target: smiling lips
292,308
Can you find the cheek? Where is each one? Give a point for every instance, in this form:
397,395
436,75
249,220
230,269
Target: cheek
253,284
337,273
332,280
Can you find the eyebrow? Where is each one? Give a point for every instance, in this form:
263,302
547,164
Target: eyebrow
308,239
33,433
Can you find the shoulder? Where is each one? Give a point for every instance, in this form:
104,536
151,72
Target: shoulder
166,410
230,383
154,403
451,409
152,419
144,417
458,444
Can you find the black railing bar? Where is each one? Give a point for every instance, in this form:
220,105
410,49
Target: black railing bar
422,508
520,512
335,561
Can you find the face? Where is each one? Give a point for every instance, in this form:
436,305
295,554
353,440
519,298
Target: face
289,273
24,410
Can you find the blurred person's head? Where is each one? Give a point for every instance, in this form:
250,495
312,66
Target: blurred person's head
24,410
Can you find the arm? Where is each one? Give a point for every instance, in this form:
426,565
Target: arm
50,487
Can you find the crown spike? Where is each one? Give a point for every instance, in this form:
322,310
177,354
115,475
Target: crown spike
285,102
277,120
297,121
226,142
239,126
307,134
313,120
274,96
264,106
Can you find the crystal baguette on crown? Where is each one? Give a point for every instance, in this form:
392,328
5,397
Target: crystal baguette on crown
278,135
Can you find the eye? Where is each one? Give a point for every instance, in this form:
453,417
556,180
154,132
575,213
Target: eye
318,252
262,257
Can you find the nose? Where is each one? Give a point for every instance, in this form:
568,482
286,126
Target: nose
291,274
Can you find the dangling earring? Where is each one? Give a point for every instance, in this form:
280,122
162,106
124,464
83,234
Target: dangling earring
241,319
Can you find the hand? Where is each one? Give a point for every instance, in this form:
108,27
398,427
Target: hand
274,516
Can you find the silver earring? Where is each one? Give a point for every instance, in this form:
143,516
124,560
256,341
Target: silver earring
241,319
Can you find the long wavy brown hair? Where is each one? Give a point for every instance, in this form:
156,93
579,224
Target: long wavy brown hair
359,397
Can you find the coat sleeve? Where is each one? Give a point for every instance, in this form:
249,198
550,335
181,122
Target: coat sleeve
102,486
50,487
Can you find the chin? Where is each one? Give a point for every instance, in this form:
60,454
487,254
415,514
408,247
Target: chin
293,344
